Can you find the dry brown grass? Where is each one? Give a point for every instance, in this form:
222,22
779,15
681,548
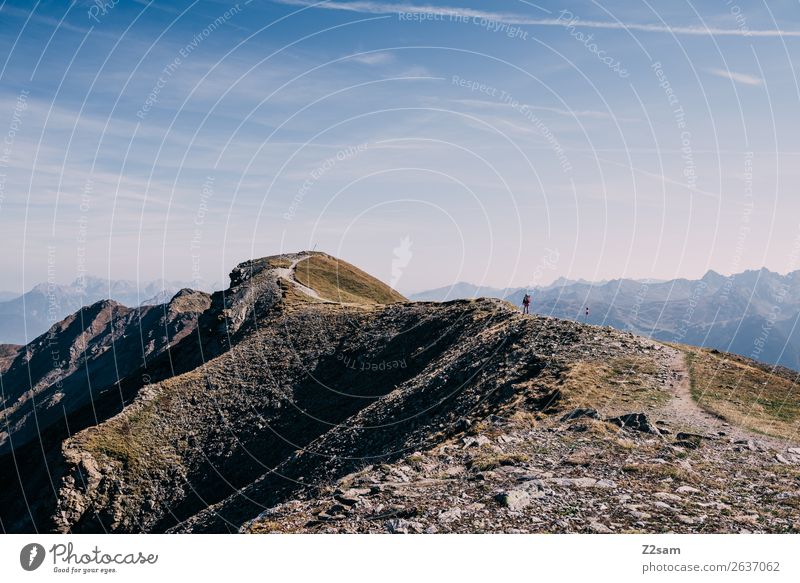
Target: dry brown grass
292,297
279,262
490,460
522,419
744,393
124,440
137,439
614,387
271,527
341,282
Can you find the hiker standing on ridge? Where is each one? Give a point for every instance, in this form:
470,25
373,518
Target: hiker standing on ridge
526,303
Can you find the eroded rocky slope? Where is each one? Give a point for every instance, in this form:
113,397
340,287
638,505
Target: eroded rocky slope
518,471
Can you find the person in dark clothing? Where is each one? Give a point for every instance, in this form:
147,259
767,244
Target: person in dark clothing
526,304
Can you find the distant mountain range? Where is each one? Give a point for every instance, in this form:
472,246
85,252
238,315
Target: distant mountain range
755,313
464,290
24,317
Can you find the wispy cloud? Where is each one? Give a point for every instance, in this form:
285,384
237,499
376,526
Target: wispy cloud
571,113
373,58
564,19
32,16
742,78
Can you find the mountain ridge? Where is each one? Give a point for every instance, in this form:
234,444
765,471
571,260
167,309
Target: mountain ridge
282,398
727,313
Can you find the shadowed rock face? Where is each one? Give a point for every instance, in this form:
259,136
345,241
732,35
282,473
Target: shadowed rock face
197,439
263,396
84,355
83,370
92,365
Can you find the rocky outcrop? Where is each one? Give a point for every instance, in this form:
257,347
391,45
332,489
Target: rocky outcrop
635,422
8,352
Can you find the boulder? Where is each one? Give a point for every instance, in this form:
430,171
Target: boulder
581,413
636,422
397,526
514,500
687,490
599,528
478,440
667,496
450,515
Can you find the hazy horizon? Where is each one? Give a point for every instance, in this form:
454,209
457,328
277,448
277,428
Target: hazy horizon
221,284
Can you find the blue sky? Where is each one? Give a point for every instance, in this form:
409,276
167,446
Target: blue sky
503,143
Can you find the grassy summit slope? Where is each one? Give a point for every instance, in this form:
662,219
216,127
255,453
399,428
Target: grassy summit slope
339,281
746,393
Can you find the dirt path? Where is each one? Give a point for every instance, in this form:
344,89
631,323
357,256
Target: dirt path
287,273
684,414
